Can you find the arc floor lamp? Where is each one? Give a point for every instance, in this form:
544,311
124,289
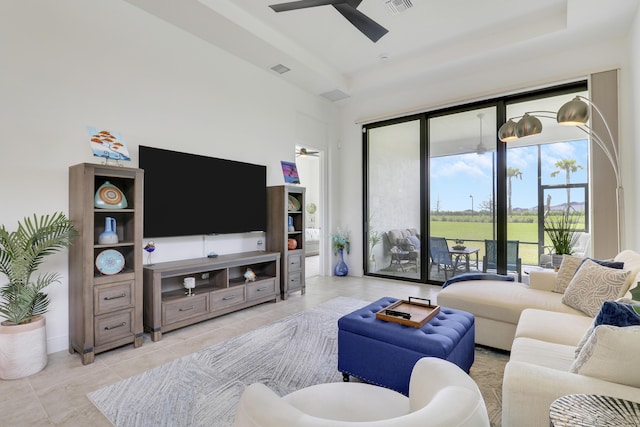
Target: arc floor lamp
574,113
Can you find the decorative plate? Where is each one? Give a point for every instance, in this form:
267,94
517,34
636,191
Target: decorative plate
109,196
110,262
294,204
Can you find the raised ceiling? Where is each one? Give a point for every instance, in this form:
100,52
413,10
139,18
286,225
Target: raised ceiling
328,55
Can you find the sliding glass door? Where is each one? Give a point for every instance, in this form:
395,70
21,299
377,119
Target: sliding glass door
443,196
462,168
394,179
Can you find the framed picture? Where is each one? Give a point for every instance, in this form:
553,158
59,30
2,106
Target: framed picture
290,172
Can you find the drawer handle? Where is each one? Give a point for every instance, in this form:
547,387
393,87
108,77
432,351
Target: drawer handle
191,307
261,289
122,295
229,298
108,328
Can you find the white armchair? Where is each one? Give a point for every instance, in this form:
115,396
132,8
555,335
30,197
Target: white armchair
440,394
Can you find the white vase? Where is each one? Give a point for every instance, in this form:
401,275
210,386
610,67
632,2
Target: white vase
23,349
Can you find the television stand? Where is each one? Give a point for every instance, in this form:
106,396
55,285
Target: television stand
220,288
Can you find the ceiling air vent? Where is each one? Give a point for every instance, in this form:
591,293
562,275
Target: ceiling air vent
335,95
397,6
280,69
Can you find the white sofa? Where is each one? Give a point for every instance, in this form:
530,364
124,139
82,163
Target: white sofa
542,334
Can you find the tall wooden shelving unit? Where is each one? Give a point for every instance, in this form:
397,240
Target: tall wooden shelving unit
284,201
105,310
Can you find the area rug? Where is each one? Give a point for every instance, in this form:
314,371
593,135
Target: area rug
203,389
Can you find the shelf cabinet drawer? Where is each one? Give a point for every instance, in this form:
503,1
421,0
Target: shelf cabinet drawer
111,327
227,298
261,289
112,297
184,308
294,280
295,262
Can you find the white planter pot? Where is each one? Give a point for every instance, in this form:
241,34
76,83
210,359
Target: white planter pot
23,349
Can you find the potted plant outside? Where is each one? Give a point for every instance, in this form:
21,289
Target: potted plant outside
561,230
23,346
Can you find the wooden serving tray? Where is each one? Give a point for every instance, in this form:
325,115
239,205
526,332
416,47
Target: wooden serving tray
409,313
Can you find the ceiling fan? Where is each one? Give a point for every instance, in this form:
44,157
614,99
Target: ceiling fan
304,152
348,9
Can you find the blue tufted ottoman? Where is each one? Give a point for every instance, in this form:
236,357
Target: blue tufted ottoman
384,353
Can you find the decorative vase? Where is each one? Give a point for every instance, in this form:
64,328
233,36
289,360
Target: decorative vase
23,349
109,235
292,244
291,227
341,268
372,263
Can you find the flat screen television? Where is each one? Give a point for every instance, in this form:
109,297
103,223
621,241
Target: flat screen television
189,194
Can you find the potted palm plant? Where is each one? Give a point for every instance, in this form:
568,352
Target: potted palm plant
561,229
23,344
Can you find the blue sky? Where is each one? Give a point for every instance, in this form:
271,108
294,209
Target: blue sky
454,178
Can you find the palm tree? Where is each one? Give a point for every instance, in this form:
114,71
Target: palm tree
512,172
569,166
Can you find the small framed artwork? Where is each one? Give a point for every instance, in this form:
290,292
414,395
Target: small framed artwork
109,145
290,172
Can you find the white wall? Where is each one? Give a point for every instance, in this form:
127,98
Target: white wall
525,70
72,63
631,133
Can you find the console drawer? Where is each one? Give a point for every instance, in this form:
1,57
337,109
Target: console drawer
227,298
295,262
294,280
111,327
261,289
184,308
112,297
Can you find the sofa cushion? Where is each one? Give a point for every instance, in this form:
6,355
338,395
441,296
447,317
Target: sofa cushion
567,269
499,300
592,285
542,353
543,325
609,354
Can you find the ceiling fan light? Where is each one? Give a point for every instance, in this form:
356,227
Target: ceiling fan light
507,131
573,113
528,125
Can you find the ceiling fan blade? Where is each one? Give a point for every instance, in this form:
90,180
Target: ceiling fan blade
303,4
362,22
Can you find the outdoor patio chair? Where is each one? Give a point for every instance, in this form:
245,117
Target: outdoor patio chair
440,256
514,262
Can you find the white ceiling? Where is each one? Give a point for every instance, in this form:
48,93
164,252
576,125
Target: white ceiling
326,53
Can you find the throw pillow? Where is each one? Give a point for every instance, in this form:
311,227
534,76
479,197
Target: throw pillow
567,269
594,284
609,355
621,312
605,263
413,240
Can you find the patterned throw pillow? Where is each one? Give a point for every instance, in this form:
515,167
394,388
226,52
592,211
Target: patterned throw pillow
594,284
567,269
608,355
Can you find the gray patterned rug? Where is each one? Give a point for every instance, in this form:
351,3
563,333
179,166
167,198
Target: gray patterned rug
202,389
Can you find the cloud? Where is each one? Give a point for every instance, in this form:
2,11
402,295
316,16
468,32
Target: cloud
466,165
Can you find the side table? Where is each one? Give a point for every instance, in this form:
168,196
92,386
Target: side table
590,410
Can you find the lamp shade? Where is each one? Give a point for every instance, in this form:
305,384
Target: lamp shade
573,113
528,125
507,131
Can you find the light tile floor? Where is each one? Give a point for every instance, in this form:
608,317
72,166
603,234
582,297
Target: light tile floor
56,396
